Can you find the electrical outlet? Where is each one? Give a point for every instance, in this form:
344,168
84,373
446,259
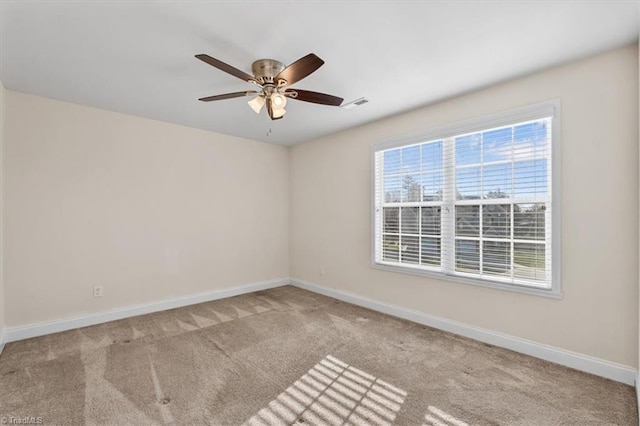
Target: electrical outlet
97,291
322,270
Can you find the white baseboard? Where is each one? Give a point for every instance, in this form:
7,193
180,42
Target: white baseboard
638,391
12,334
599,367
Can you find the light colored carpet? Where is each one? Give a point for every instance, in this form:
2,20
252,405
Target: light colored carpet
288,356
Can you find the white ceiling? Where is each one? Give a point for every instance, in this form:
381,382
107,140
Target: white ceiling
137,57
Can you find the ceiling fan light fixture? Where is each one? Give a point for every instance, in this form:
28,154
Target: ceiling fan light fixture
278,112
278,100
256,104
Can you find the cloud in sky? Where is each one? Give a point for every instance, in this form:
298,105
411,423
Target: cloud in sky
529,150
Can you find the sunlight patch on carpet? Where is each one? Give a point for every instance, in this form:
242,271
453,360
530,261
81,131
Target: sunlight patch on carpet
437,417
333,393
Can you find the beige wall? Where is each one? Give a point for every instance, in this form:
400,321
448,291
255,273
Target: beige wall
598,316
149,210
2,304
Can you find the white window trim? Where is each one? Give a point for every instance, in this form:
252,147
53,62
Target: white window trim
531,112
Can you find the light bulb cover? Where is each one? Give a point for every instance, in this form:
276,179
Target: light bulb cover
278,100
278,112
256,104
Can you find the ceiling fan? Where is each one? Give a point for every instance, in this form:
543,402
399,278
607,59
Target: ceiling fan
274,80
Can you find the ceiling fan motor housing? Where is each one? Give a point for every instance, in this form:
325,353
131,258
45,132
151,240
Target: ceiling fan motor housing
265,70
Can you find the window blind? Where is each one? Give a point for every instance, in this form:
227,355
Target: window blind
475,204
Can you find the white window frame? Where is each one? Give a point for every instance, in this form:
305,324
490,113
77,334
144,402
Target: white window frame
541,110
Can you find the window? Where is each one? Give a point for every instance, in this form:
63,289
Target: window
473,202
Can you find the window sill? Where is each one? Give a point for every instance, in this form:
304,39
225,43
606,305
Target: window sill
550,293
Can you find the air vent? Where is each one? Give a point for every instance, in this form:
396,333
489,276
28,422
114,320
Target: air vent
356,103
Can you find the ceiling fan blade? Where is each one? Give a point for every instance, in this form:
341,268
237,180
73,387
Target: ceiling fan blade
298,70
226,68
316,97
228,96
